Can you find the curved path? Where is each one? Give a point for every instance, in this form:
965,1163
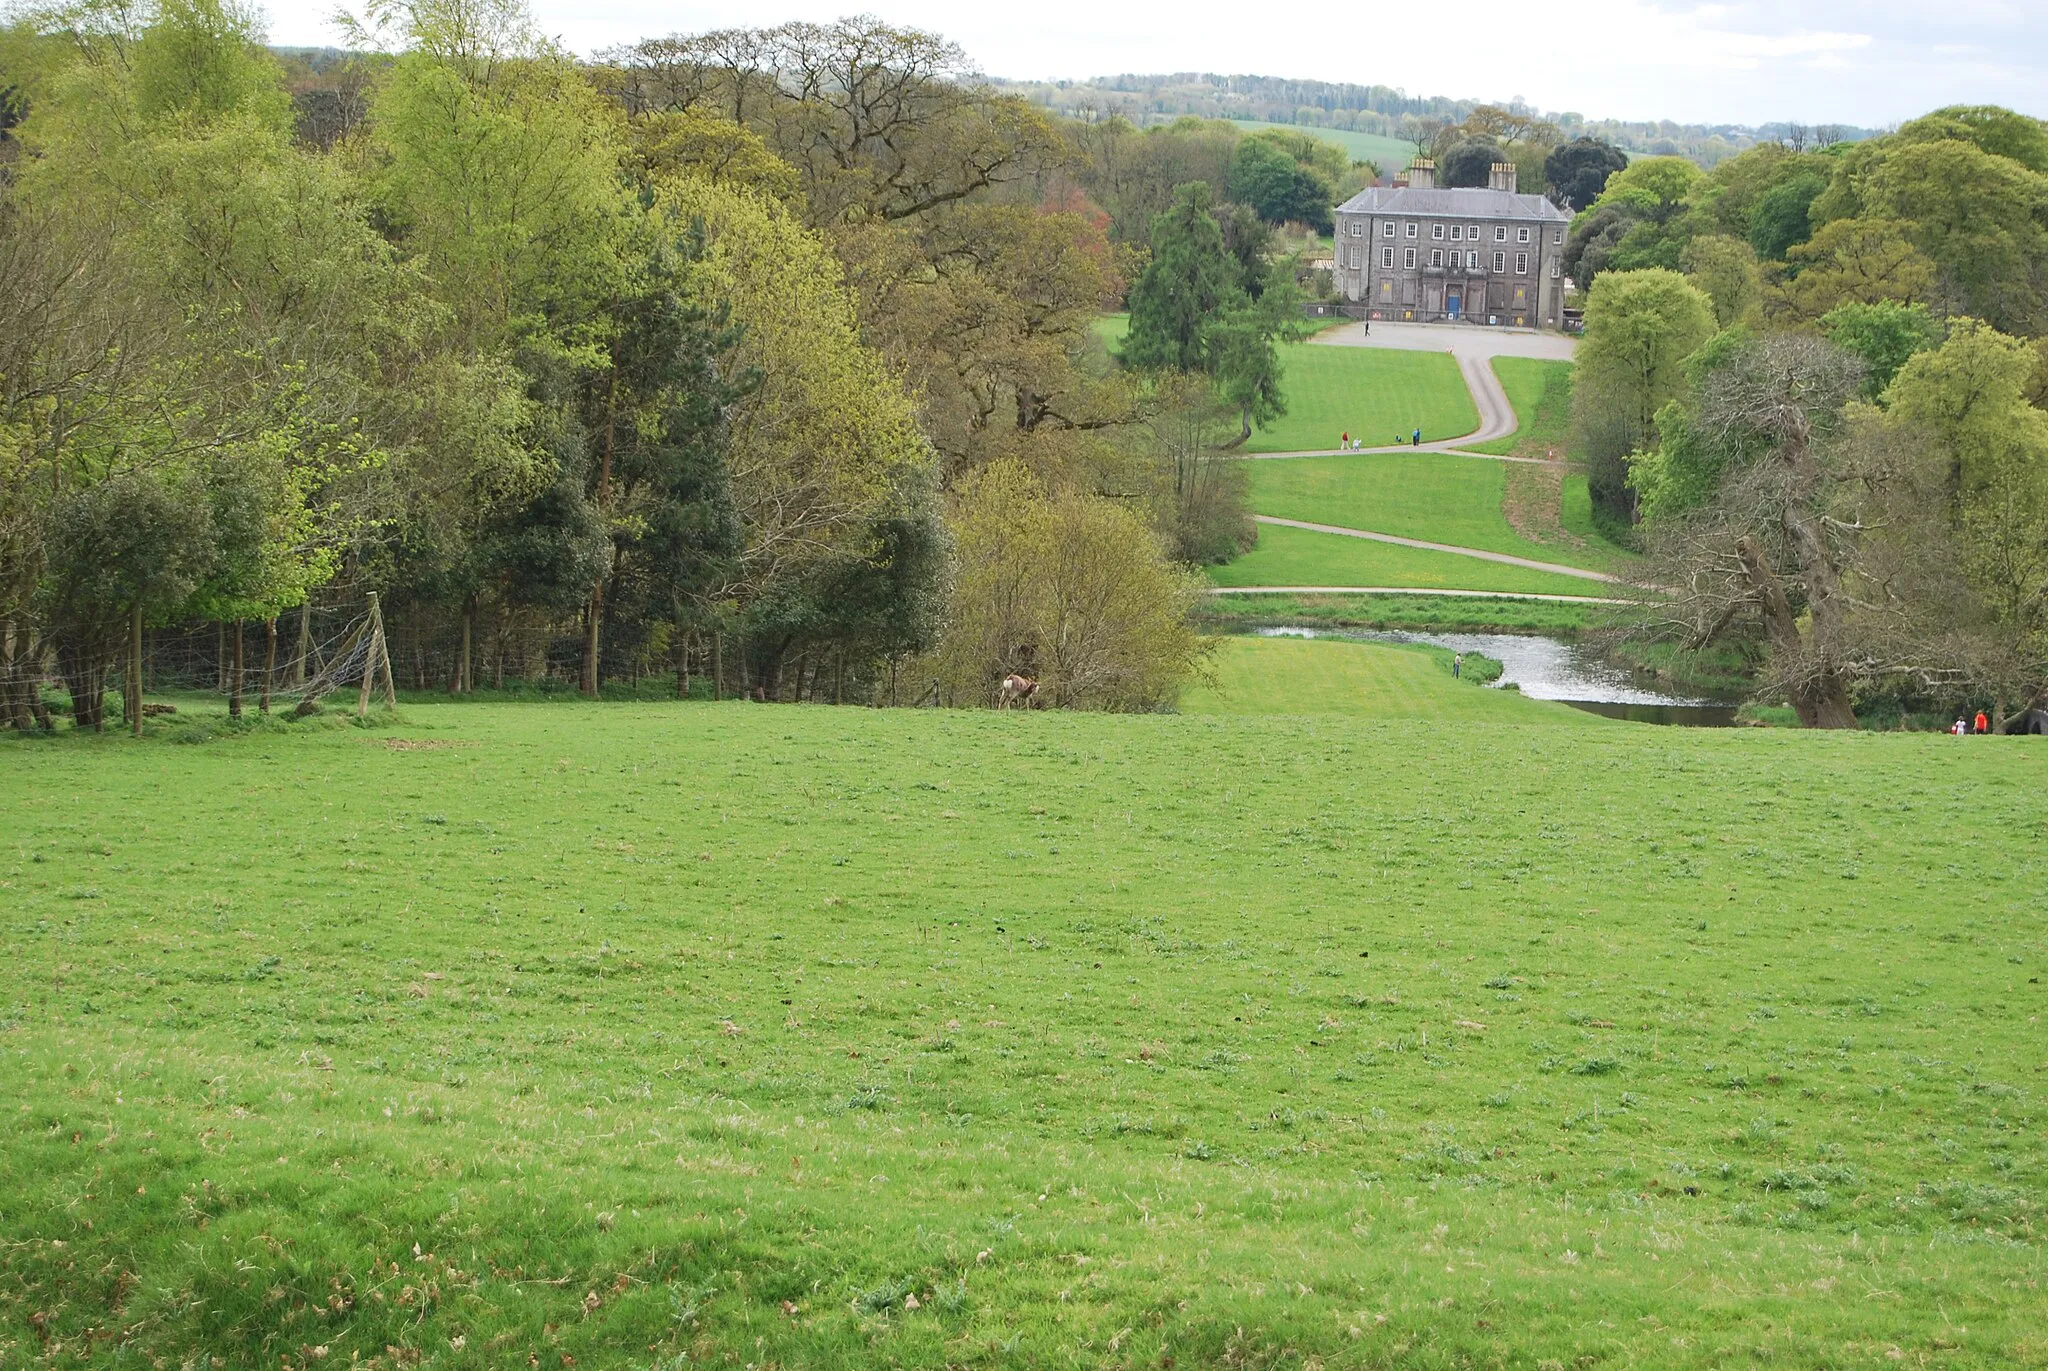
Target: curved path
1417,590
1474,346
1555,568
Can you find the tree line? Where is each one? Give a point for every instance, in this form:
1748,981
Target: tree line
717,353
1814,384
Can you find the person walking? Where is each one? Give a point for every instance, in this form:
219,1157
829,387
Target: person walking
1983,723
1959,728
1418,437
1457,664
1344,443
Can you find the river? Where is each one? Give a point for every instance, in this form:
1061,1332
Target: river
1555,669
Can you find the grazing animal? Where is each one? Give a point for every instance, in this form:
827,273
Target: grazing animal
1018,690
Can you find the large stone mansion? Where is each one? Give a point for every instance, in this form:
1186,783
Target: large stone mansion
1419,252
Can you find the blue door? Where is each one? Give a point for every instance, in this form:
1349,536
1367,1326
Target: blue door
1452,303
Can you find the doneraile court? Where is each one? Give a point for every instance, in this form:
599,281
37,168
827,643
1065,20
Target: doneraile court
1415,251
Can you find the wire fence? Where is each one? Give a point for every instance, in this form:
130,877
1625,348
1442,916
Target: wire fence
326,645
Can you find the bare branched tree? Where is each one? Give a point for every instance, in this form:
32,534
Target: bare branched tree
1774,546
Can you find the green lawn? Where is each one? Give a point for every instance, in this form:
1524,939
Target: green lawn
1389,154
1299,557
1432,496
1450,613
1541,393
661,1036
1364,680
1376,394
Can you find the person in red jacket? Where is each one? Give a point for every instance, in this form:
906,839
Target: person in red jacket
1983,724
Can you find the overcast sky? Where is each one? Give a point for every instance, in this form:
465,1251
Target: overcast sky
1869,62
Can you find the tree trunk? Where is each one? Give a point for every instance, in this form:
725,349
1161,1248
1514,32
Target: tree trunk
498,668
839,679
296,676
459,683
683,668
220,658
269,662
84,668
14,708
593,617
235,683
718,666
1998,712
133,699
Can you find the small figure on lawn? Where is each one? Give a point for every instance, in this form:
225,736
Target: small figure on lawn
1983,722
1418,437
1457,665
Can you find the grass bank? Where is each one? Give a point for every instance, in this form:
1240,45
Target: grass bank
1302,557
1541,393
655,1035
1431,496
1377,394
1362,680
1446,613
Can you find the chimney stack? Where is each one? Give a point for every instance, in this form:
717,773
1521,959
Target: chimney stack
1503,176
1422,174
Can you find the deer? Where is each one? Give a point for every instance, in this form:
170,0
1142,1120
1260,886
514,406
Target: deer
1018,690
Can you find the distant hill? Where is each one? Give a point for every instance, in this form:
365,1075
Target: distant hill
1381,113
1388,154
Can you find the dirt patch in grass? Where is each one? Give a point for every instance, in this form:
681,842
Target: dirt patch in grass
1533,502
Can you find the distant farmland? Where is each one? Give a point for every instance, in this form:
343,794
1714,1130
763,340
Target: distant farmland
1388,154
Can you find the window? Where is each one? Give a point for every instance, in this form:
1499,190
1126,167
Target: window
1357,257
1521,264
1457,232
1473,233
1500,233
1556,236
1521,235
1436,257
1472,261
1387,229
1553,268
1411,228
1386,257
1408,258
1357,228
1500,261
1436,231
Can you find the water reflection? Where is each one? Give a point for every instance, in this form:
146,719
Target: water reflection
1554,669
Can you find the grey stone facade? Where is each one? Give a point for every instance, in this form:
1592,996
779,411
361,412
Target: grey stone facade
1417,252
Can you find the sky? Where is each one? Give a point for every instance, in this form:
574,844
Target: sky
1866,62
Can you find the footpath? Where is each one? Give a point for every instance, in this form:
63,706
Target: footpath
1474,348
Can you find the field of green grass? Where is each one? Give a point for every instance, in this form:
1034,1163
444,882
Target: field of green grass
1301,557
1228,613
1389,154
1541,393
657,1036
1377,394
1432,496
1363,680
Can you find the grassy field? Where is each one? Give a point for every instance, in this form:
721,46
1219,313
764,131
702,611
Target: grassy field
1432,496
1541,393
1389,154
658,1036
1377,394
1449,613
1364,680
1300,557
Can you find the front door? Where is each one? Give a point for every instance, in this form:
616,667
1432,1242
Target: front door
1453,302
